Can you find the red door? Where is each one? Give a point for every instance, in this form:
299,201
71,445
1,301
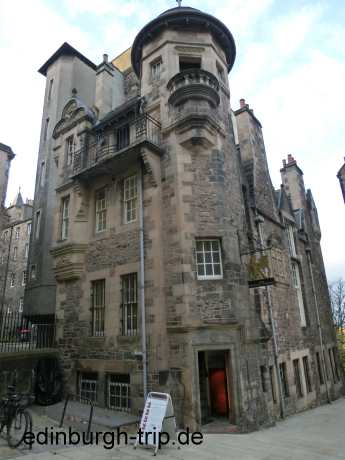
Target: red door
218,392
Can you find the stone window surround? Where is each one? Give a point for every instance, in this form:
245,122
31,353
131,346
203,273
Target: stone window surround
300,354
212,263
64,217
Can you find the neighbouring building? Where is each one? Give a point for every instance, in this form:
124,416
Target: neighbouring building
6,156
14,247
160,245
341,177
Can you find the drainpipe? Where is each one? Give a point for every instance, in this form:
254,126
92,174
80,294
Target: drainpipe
259,220
308,251
142,282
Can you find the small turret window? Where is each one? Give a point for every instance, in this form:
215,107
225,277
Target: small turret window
156,68
189,62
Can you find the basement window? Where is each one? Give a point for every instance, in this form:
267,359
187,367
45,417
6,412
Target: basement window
119,392
88,386
189,62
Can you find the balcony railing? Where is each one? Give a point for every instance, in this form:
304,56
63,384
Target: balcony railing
193,84
18,334
143,129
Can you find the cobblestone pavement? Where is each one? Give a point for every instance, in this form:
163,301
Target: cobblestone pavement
313,435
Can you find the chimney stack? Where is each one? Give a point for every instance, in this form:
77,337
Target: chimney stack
242,103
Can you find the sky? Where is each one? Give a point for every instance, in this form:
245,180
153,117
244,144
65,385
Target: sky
290,68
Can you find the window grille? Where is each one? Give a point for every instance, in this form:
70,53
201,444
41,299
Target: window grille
129,306
97,308
119,393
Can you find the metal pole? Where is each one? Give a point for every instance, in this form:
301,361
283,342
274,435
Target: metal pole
142,282
308,250
258,221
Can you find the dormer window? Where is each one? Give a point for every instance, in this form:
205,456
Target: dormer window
189,62
156,67
70,146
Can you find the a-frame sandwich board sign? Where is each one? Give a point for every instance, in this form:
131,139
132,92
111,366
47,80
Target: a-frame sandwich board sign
158,417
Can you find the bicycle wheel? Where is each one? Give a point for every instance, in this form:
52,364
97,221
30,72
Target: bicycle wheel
20,424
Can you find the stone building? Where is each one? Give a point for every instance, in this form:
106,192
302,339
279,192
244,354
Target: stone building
6,156
178,267
14,247
341,177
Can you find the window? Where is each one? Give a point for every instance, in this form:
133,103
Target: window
156,69
28,228
88,386
119,392
263,378
17,233
189,62
307,374
273,385
33,272
70,147
122,137
21,305
50,89
38,224
64,218
319,368
26,250
326,366
15,251
129,307
12,279
43,173
101,210
208,259
298,382
97,308
45,133
297,285
289,230
2,258
336,369
220,72
5,235
130,195
24,278
284,380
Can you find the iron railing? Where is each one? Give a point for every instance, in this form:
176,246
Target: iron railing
143,128
19,334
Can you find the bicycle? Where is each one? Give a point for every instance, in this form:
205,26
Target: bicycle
15,416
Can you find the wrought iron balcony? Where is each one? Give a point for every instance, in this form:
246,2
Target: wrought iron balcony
142,130
194,84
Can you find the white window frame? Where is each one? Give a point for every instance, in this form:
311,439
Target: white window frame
70,149
201,258
26,250
156,69
21,305
120,392
101,210
15,252
33,274
17,233
24,278
130,198
65,217
12,279
289,229
28,228
296,282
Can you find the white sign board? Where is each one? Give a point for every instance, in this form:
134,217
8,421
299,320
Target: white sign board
158,417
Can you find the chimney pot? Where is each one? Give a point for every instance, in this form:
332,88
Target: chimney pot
105,58
242,103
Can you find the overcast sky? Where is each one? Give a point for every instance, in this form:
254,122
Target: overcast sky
290,68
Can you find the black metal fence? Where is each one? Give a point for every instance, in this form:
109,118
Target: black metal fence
19,334
143,128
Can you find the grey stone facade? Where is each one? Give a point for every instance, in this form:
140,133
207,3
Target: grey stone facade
160,204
